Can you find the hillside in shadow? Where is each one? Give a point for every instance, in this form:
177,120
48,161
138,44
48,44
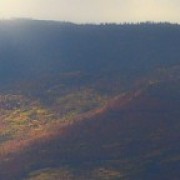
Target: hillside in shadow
31,48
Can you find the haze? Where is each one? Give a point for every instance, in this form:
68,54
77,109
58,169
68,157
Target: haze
92,10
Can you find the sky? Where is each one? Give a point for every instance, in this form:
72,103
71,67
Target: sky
93,11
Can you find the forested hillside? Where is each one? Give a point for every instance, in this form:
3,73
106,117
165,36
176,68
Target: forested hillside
35,48
85,101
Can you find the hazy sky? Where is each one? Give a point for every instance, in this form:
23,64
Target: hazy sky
93,10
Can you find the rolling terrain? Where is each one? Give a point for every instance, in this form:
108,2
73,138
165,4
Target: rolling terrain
89,101
135,136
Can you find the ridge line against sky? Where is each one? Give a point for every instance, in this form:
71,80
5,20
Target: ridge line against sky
93,11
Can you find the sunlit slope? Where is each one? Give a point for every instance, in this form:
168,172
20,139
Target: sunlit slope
136,136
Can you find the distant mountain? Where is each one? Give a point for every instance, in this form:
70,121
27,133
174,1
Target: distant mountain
31,48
